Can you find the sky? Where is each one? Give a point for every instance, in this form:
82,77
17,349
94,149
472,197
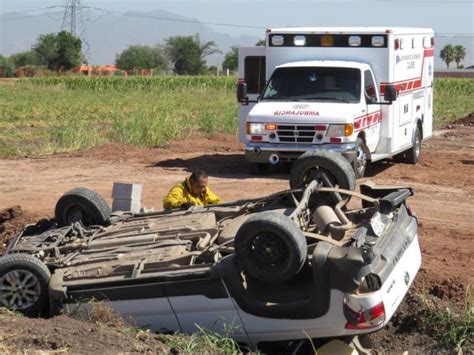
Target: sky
449,18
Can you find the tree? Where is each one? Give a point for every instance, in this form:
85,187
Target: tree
7,68
231,59
60,51
447,54
261,43
459,54
187,54
25,58
141,57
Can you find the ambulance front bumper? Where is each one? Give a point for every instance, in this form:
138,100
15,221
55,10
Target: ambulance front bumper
274,153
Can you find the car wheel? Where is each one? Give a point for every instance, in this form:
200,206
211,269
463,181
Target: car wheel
82,205
329,168
414,153
24,284
270,247
360,162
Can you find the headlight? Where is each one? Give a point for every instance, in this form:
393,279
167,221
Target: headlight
255,128
340,130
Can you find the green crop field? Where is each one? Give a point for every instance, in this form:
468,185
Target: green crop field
56,114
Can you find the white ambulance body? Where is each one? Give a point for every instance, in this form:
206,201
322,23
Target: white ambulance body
324,88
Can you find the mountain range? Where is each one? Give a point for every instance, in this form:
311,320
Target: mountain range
109,34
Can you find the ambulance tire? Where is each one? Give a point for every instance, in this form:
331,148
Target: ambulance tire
413,154
360,161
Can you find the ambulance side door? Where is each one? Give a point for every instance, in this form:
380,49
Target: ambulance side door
251,71
374,115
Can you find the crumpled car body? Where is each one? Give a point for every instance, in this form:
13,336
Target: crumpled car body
315,262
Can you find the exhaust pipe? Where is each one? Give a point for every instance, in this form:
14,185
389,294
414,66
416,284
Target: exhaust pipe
257,151
274,159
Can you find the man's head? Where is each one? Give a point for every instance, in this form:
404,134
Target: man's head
198,181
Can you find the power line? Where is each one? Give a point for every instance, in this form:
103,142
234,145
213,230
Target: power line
29,16
162,18
26,11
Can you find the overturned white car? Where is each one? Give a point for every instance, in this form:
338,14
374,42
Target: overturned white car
299,263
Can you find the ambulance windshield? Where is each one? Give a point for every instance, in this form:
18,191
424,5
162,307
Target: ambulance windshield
328,84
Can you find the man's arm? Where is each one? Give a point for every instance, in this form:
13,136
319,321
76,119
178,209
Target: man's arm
174,199
211,197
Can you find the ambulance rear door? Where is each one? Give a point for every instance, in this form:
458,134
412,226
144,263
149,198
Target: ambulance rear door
251,71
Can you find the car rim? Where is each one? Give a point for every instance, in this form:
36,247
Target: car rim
19,289
361,160
76,214
268,250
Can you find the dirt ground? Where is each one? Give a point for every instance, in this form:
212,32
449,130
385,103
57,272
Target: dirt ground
443,183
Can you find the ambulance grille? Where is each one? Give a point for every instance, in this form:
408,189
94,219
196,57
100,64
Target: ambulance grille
295,133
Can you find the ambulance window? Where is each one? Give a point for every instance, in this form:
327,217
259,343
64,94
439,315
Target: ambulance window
255,74
370,90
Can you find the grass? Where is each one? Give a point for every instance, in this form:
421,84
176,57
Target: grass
43,116
58,114
453,326
453,98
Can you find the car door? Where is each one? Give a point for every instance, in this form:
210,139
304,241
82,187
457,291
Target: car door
143,305
205,303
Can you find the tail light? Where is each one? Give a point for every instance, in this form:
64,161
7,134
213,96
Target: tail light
370,318
412,213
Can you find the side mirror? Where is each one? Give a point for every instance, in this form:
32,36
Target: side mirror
242,96
390,93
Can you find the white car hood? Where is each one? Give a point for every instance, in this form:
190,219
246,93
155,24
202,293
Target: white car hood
305,112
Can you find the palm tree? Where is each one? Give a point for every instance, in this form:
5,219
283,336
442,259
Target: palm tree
459,54
447,54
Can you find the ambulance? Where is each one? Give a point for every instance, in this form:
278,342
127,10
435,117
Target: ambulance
364,92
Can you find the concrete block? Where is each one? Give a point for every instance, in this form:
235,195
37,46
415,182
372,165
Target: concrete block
126,205
126,191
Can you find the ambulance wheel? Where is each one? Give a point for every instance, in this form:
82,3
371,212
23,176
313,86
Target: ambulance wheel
414,153
360,162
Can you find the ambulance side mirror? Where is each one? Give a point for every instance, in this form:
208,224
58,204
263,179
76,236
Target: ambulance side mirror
242,96
390,93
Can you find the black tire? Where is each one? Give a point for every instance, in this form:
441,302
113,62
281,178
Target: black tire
24,283
360,161
414,153
270,247
313,164
82,205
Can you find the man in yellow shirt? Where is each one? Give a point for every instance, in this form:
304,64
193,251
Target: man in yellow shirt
193,191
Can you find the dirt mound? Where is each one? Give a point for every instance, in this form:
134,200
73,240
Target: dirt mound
464,121
68,334
425,324
452,289
12,220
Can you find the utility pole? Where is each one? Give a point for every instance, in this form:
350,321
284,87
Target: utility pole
72,9
73,21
